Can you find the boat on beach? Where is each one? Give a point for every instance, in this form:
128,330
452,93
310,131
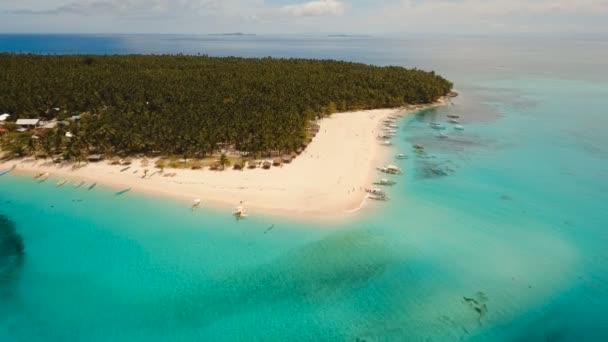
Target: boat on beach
196,203
387,143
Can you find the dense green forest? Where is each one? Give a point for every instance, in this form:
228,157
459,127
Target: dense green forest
190,105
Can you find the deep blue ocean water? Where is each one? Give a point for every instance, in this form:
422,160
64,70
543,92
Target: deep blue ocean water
510,245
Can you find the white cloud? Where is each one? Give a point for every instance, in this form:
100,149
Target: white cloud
131,7
314,8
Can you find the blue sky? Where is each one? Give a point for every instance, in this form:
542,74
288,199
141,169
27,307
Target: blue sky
305,16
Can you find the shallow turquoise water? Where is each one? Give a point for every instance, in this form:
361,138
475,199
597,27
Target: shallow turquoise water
518,226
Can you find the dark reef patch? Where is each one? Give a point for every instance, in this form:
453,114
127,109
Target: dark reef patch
12,249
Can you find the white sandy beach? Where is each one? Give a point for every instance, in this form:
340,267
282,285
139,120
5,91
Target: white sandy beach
326,181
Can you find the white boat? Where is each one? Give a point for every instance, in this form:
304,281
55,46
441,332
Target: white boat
401,156
390,169
378,197
196,203
442,136
390,130
376,191
387,143
240,212
459,127
454,121
392,126
435,125
385,181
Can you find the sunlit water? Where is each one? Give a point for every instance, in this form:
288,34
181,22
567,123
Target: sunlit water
497,233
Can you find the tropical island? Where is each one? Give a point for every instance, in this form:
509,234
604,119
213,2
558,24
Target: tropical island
197,112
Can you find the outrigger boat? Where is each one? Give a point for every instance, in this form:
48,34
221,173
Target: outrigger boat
92,186
401,156
2,173
390,169
435,125
375,191
196,203
122,192
240,212
385,181
42,177
378,197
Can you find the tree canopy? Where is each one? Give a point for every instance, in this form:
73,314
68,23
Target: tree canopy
190,105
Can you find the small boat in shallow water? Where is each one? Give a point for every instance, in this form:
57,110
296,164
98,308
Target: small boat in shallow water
435,125
401,156
459,127
92,186
196,203
42,177
240,212
454,121
79,184
453,116
122,192
390,169
62,183
385,181
442,136
378,197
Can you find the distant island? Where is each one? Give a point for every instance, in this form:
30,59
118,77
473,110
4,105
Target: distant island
191,106
350,35
232,34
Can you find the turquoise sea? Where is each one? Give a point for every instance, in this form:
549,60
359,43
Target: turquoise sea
498,233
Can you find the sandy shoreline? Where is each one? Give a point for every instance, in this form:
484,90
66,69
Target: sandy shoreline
326,182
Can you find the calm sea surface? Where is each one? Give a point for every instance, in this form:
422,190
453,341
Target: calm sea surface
498,233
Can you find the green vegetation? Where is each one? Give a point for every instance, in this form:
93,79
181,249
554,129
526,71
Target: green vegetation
191,106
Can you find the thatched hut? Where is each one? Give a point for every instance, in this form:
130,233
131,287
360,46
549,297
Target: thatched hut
215,166
277,162
239,165
300,150
286,159
266,165
252,164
